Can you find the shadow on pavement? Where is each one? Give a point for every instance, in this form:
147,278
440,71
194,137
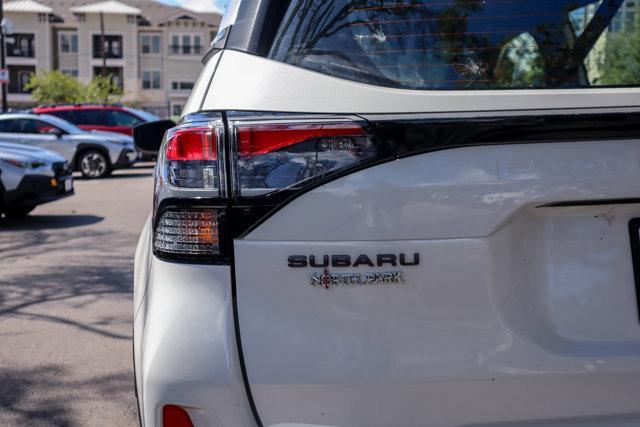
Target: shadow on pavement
44,395
16,396
83,285
48,222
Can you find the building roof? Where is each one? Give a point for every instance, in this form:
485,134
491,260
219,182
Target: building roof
26,6
153,11
108,6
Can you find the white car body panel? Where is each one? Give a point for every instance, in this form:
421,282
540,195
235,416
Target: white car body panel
237,85
511,302
206,362
518,314
201,86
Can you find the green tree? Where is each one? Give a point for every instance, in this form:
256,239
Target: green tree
54,87
622,63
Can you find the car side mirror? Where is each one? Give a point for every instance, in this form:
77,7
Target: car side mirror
147,137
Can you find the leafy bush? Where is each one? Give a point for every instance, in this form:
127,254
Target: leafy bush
54,87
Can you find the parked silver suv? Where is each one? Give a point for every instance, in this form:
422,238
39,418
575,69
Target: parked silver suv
95,153
29,177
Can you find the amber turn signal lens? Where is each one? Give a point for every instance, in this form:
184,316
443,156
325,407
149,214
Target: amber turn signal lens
188,232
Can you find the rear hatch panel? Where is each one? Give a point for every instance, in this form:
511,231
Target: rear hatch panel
522,306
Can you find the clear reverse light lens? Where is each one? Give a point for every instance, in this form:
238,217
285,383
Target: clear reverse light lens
275,156
188,232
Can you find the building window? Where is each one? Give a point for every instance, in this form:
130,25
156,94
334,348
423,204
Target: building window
19,76
151,79
81,17
21,45
114,72
150,43
131,19
186,44
112,46
68,42
73,72
176,109
181,85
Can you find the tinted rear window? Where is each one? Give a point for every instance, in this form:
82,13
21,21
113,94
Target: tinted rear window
120,118
67,115
465,44
90,117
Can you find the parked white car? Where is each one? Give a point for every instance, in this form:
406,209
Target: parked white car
31,176
398,214
94,153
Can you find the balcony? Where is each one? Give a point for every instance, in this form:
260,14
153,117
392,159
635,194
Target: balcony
112,47
20,46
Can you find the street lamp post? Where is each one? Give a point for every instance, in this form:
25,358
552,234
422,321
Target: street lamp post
2,58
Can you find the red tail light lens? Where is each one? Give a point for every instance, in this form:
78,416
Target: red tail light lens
192,143
175,416
280,155
191,156
263,139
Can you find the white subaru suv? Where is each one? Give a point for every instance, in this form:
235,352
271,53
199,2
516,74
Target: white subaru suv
399,213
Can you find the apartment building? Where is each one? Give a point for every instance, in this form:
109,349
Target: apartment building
153,50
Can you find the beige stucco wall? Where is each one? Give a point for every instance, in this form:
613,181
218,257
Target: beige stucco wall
151,62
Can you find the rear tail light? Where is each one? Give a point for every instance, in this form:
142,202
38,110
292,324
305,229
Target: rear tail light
269,157
276,156
191,156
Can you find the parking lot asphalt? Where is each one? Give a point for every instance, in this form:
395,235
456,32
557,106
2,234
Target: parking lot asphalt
66,278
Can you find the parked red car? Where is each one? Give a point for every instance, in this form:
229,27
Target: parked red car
113,118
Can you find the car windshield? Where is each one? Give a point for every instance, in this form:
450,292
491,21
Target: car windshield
69,128
465,44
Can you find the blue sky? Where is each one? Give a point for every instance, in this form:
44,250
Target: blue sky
200,5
